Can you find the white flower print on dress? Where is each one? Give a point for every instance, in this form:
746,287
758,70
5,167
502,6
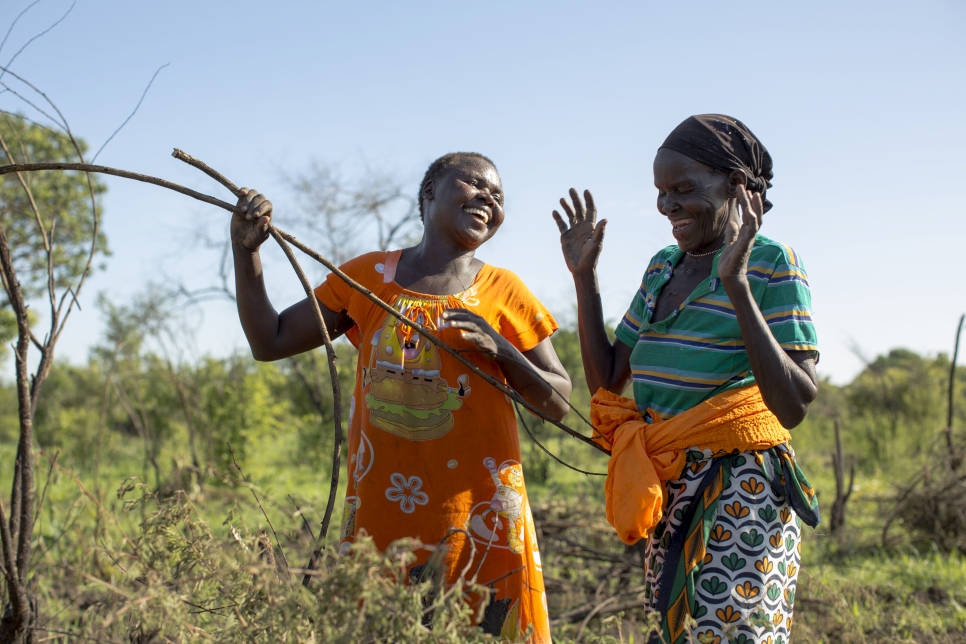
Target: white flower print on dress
407,492
469,296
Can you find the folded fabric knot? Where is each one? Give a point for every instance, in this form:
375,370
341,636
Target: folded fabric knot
646,455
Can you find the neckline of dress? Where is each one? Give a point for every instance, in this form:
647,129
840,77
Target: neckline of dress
392,259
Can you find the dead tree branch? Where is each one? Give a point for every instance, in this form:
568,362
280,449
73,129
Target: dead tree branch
955,458
129,116
24,477
42,33
842,493
16,536
260,507
368,294
101,169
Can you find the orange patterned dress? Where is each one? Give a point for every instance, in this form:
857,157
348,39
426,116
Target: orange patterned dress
433,447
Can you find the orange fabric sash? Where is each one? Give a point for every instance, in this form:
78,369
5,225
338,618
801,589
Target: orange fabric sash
644,456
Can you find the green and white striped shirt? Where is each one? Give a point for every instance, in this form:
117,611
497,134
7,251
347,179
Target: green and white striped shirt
697,352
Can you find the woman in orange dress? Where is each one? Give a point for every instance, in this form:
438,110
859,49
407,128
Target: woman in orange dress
433,449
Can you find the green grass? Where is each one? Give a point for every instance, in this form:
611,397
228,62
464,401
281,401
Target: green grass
850,588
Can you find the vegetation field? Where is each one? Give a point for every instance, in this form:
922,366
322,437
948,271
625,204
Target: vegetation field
179,496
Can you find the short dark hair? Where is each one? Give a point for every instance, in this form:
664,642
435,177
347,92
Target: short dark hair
442,165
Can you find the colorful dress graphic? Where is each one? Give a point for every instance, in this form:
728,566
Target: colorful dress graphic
432,447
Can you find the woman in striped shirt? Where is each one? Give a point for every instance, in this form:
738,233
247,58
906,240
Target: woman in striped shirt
720,347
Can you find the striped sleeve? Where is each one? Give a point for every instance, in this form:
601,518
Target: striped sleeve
786,305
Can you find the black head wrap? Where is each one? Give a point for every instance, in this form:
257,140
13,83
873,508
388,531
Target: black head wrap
724,143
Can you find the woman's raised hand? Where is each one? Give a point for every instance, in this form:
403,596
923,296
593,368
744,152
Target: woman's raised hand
740,238
581,237
249,228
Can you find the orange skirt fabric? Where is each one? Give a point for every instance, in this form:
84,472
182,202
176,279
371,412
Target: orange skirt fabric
645,455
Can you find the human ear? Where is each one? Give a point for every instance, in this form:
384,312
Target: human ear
736,179
428,190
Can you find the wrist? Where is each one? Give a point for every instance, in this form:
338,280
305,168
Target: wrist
586,280
735,284
243,250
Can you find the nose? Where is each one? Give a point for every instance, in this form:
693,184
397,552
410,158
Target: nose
667,205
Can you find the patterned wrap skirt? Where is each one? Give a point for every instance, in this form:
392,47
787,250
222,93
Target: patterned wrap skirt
727,551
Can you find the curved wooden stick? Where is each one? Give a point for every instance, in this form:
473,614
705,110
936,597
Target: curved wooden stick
282,237
337,404
424,332
84,167
329,350
103,169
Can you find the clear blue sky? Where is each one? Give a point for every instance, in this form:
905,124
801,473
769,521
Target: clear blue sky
861,105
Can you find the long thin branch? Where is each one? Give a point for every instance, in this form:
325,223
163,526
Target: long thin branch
101,169
6,540
259,502
63,120
329,349
28,192
15,20
424,332
952,372
28,43
130,116
368,294
28,101
23,521
336,403
95,231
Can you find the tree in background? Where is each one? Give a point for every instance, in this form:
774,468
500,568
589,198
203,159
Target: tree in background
43,207
49,239
897,405
376,212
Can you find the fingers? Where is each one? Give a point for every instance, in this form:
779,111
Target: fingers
469,323
561,224
759,207
750,212
260,207
734,225
743,200
243,200
568,210
462,315
581,213
731,232
255,206
591,207
598,237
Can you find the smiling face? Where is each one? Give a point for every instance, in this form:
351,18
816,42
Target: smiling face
465,203
696,199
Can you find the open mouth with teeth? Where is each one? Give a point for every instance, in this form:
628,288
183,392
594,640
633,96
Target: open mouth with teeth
680,226
478,212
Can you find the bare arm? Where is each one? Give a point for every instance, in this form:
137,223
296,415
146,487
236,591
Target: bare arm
606,365
787,380
537,374
271,335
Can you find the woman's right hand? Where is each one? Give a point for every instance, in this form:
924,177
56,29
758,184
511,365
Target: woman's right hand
249,228
581,237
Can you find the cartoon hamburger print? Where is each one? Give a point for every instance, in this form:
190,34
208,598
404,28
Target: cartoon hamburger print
407,397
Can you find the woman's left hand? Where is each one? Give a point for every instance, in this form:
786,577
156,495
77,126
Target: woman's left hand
739,239
475,330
